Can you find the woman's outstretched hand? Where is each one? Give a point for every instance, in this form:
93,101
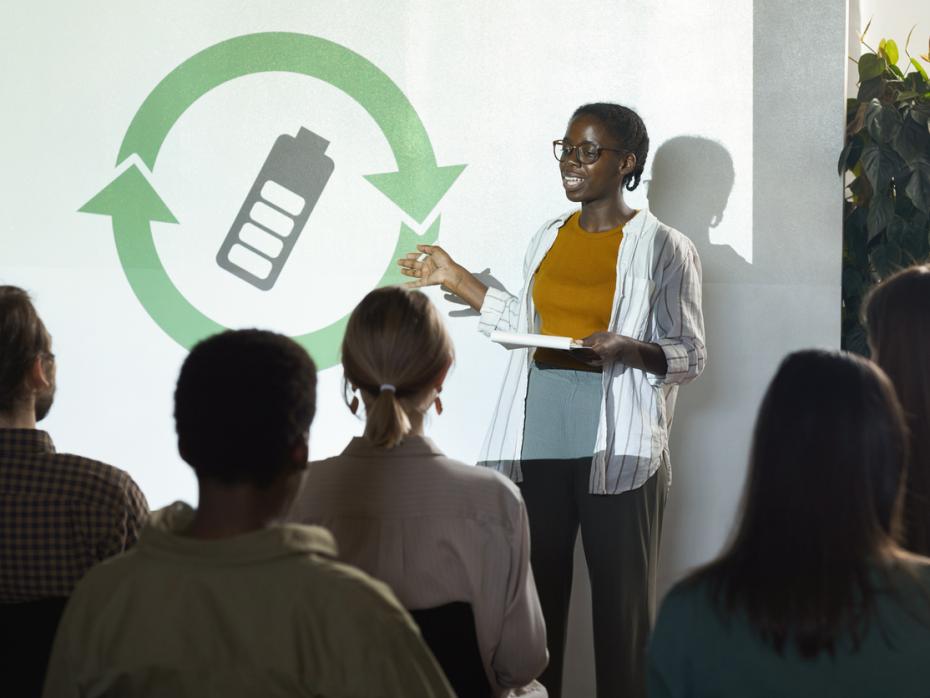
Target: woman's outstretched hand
438,268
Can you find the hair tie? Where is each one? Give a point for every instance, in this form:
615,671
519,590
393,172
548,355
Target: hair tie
387,386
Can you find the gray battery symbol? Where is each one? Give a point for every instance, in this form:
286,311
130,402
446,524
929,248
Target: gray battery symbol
277,208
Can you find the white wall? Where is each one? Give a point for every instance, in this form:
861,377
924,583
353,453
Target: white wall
744,108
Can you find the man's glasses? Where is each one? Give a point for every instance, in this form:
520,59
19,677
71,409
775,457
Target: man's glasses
588,152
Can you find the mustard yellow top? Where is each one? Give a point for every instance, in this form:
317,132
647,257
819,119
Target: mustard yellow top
573,288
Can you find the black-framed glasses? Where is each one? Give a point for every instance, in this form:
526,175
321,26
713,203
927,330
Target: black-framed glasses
588,152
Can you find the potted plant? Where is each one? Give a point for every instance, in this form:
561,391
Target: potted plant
886,161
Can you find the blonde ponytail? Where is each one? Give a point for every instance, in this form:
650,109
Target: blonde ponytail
395,349
386,422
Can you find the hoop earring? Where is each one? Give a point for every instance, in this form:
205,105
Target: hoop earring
438,404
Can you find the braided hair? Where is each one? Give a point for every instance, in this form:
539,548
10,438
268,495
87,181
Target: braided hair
625,125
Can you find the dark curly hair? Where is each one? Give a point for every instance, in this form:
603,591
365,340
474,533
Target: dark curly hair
244,399
625,125
23,337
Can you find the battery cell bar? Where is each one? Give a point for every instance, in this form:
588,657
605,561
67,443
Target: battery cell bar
272,219
264,242
283,198
250,261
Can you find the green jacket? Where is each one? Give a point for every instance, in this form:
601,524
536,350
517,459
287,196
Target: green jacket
269,613
693,653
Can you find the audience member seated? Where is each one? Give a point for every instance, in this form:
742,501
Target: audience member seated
445,536
897,314
812,597
59,514
226,600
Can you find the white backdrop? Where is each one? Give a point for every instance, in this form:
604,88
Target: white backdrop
494,84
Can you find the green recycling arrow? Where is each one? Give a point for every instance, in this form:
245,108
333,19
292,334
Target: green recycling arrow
419,182
132,202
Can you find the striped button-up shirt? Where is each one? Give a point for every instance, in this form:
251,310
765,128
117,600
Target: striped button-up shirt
657,300
59,516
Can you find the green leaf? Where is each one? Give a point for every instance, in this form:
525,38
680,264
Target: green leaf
879,163
886,259
883,121
870,89
918,186
913,82
881,213
870,66
850,155
890,50
920,69
853,283
855,238
911,236
855,340
855,121
861,189
912,141
896,70
921,113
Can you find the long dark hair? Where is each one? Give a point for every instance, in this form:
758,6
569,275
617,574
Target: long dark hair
897,314
820,507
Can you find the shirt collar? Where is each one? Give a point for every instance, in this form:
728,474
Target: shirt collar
163,537
361,447
25,442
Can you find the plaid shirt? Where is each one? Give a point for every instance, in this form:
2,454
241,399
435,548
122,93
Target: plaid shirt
59,516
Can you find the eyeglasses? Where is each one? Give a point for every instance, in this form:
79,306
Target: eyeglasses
588,152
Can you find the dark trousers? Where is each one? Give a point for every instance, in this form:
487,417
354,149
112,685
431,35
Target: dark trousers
620,534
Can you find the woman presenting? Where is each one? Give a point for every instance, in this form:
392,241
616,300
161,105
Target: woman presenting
585,433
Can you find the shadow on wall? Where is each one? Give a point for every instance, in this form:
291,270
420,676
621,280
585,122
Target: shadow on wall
692,179
689,188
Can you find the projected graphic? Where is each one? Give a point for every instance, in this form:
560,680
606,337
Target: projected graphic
277,209
287,188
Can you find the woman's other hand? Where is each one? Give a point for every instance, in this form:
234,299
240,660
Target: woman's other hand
609,347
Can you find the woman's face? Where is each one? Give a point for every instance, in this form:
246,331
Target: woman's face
602,178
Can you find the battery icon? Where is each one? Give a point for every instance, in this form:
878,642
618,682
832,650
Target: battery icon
276,209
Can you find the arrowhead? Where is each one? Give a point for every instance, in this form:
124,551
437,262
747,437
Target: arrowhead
130,195
416,191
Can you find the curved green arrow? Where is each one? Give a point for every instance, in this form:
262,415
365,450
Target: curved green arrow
133,203
419,182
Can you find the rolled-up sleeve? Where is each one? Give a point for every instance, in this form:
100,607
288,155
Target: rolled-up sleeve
679,320
500,311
